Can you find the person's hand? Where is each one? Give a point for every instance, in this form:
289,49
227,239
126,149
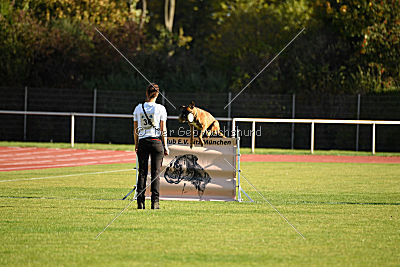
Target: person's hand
136,149
166,151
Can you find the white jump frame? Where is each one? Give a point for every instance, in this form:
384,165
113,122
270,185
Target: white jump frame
312,122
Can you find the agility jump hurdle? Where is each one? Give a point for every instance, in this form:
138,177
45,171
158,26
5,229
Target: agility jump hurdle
209,173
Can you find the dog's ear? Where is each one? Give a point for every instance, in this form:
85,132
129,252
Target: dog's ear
191,105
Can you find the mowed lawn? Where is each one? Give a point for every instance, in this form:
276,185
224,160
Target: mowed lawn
349,214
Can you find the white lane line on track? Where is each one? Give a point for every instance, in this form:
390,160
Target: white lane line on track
49,151
57,162
91,157
62,176
61,153
23,154
30,162
68,164
61,156
74,164
39,157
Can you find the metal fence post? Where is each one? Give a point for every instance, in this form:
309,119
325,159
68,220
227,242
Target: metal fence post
94,112
234,128
229,111
25,109
253,137
163,98
373,138
358,117
72,129
293,116
312,137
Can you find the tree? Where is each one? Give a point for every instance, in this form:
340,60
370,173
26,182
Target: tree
53,43
143,15
169,12
249,33
372,29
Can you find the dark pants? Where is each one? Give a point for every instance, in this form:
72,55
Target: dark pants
149,147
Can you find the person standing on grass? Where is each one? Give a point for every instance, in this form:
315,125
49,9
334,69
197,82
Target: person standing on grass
150,134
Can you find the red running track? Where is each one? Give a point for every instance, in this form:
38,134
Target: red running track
29,158
17,158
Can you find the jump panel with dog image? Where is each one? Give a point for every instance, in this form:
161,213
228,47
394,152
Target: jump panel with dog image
200,173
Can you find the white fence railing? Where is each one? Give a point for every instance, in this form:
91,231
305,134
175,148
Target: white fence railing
72,115
312,122
234,121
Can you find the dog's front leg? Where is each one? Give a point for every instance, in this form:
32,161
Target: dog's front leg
191,136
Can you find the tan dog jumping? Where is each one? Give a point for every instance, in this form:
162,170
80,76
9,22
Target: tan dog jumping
201,120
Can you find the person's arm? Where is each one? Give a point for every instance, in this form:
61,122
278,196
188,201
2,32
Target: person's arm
163,129
135,135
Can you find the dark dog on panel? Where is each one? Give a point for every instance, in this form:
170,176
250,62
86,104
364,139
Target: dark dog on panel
186,168
201,120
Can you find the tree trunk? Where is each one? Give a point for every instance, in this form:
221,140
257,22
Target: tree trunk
143,15
169,12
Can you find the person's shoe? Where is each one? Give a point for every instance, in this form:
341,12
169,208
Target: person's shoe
140,205
155,205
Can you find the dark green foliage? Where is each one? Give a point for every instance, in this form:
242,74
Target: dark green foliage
371,30
348,46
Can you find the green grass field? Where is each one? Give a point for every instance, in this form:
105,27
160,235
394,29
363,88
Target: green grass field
349,214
